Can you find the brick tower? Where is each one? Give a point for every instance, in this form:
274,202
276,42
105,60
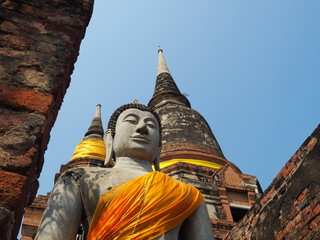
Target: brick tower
191,153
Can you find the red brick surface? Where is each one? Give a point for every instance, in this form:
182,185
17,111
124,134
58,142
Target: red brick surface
28,99
39,44
13,189
33,216
290,207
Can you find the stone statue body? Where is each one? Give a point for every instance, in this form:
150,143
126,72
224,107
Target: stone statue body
76,193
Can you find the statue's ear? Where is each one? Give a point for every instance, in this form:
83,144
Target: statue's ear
156,162
108,140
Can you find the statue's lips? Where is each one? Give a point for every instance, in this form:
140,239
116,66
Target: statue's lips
140,139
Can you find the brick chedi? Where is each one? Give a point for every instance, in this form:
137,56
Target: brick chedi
39,45
191,153
90,152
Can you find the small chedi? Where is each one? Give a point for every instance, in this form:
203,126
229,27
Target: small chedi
130,200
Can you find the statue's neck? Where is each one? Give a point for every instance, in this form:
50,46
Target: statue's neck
133,164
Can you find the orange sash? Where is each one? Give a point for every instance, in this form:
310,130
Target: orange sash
143,208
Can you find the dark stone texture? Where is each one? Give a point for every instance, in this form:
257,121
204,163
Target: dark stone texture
167,90
181,124
13,190
6,222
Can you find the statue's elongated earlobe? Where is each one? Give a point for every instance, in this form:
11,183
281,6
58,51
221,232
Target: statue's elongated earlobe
156,162
108,140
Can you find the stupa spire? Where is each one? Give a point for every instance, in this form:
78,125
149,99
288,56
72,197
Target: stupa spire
92,146
95,130
166,90
162,65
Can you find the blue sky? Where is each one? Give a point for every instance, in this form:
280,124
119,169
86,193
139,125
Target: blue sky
251,68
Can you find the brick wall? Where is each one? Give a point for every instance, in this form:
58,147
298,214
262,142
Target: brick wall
290,206
33,216
39,44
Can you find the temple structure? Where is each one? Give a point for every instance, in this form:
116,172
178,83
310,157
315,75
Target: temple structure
40,43
190,153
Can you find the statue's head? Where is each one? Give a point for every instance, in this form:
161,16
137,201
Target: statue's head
134,130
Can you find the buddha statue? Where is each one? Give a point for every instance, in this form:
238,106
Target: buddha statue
130,200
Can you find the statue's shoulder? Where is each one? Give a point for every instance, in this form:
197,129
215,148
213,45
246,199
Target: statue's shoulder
97,172
72,174
76,174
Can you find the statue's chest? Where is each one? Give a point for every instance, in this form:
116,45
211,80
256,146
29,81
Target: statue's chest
96,183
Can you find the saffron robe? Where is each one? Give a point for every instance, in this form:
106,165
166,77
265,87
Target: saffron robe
143,208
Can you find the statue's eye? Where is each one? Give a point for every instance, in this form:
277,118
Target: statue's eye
150,124
131,120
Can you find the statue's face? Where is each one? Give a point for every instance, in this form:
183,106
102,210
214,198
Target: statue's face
136,135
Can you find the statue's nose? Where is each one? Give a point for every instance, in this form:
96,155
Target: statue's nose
142,128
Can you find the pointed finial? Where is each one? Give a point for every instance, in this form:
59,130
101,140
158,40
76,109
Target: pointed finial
95,130
162,65
92,145
166,89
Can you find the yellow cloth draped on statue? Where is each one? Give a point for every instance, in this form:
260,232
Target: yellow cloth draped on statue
143,208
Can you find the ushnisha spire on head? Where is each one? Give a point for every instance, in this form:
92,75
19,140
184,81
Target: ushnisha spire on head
135,101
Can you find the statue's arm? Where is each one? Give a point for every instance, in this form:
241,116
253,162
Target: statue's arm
63,213
197,225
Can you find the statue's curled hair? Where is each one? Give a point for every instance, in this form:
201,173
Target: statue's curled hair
117,112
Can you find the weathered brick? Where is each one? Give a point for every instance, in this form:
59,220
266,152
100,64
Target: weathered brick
313,225
6,222
267,197
19,164
312,143
316,211
10,120
297,219
288,170
13,190
304,232
294,214
255,220
306,210
36,62
12,186
302,195
282,235
26,98
7,26
15,42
